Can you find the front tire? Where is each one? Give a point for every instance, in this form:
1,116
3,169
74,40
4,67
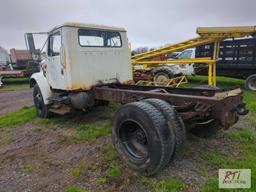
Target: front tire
41,108
250,83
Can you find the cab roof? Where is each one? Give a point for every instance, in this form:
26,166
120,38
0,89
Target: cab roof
91,26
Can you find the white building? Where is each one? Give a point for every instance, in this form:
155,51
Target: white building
4,56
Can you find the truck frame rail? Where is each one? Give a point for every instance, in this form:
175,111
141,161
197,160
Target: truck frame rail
195,106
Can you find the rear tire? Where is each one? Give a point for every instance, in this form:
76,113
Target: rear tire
174,122
141,137
250,83
41,108
207,130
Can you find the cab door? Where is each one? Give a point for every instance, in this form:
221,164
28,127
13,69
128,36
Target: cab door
54,69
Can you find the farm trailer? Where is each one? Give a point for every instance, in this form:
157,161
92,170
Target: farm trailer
90,65
9,73
22,63
207,35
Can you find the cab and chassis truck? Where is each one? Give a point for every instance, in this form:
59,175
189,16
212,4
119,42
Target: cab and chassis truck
90,65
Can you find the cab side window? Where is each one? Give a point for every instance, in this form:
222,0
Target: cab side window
54,44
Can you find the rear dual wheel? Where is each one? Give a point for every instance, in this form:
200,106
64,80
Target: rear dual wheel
173,121
144,137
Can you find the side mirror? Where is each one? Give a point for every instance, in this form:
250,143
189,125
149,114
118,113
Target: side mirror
30,44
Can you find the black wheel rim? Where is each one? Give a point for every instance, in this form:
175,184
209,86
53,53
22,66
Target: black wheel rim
134,139
39,103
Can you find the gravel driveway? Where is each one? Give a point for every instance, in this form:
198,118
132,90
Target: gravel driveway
10,101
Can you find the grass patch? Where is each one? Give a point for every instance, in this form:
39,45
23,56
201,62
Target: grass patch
102,180
76,171
146,181
60,121
211,184
170,185
13,84
214,157
250,118
244,136
109,153
74,189
14,87
6,137
94,166
165,185
245,160
249,99
114,171
201,171
27,168
18,80
223,82
39,129
110,163
19,117
92,131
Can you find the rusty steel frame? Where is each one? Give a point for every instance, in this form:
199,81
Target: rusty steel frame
193,105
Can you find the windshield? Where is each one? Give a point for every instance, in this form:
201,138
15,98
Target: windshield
185,54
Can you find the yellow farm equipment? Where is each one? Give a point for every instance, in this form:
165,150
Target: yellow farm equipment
207,35
173,82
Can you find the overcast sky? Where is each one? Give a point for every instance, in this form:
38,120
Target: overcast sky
148,22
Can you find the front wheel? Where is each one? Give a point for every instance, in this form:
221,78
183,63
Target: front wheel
41,108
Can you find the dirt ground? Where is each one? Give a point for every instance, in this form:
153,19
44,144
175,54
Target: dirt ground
41,155
12,100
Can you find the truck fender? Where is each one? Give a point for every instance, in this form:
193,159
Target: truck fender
41,81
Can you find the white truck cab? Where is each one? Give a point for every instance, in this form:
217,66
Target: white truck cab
186,69
80,56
